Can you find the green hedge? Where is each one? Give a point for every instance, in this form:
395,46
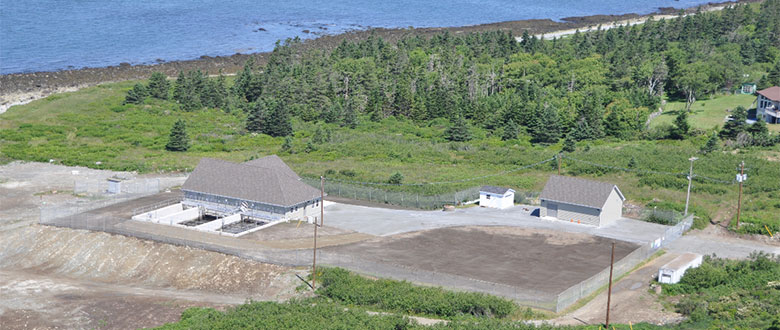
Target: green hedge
404,297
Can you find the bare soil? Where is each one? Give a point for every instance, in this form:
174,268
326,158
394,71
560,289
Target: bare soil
541,260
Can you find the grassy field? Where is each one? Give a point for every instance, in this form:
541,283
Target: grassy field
708,114
90,126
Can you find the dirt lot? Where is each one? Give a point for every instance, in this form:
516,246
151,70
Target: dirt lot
547,261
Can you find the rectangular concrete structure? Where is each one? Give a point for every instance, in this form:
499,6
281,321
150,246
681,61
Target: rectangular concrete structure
673,271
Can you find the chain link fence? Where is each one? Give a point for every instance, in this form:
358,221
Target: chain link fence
403,199
587,287
105,187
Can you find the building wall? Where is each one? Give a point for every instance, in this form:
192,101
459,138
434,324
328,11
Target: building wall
228,205
569,212
762,103
613,208
497,201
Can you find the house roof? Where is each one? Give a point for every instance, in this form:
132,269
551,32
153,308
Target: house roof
570,190
247,182
772,93
275,163
494,190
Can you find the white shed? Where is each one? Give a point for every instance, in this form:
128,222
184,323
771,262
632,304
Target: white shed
496,197
673,271
581,201
114,186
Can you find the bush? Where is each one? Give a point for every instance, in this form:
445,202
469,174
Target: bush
403,297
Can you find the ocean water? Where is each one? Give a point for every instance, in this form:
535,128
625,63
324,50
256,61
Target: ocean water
47,35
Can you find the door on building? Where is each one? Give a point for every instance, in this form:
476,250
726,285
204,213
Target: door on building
552,210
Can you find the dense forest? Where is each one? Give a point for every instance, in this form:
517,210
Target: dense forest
589,85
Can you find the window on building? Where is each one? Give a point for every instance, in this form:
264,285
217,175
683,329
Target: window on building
487,196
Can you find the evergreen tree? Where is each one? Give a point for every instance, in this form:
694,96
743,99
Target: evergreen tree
309,147
277,122
255,120
396,178
632,163
711,145
350,116
180,87
158,86
681,126
178,140
569,145
735,125
458,130
137,95
545,126
244,80
760,134
321,134
773,77
510,130
287,145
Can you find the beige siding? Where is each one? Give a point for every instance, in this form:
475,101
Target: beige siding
613,208
311,210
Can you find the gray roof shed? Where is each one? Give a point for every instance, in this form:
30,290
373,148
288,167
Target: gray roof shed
270,185
494,190
566,189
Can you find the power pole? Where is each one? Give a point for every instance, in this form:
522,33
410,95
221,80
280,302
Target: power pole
559,163
609,294
314,261
690,177
741,177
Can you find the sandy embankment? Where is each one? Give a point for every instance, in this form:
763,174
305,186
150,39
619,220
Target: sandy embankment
21,88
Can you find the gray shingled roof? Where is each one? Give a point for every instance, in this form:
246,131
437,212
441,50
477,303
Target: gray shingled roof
260,184
275,163
570,190
494,190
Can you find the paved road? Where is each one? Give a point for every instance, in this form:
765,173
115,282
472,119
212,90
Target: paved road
386,222
726,247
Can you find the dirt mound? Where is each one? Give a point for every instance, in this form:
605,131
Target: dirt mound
129,261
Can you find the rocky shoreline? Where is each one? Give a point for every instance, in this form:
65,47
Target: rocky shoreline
20,88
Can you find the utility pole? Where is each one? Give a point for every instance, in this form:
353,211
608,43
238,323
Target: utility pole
314,261
609,294
690,177
741,178
559,162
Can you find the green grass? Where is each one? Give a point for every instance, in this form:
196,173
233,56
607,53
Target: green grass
706,114
91,125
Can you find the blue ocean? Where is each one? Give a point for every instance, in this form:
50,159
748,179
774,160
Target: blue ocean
47,35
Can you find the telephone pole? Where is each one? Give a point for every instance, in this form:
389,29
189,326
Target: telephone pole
741,178
314,260
690,177
559,162
609,294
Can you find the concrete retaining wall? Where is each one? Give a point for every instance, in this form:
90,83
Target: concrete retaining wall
179,217
159,213
217,224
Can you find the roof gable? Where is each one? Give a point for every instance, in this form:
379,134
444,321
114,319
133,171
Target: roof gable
772,93
578,191
253,183
494,190
275,163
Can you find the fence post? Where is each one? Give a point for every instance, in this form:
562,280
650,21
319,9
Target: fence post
418,200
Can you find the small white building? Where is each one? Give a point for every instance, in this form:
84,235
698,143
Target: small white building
673,271
581,201
496,197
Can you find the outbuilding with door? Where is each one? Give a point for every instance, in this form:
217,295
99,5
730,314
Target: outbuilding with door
496,197
582,201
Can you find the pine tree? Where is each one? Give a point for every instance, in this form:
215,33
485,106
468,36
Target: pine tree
458,131
396,178
277,121
711,145
255,120
350,116
760,134
309,147
736,125
321,134
681,126
632,163
137,95
569,145
510,130
545,126
159,86
178,140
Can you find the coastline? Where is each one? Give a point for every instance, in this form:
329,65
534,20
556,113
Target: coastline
22,88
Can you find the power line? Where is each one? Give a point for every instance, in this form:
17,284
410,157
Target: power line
648,171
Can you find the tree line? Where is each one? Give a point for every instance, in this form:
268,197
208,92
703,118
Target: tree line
587,86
